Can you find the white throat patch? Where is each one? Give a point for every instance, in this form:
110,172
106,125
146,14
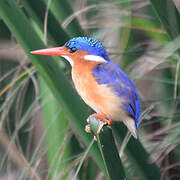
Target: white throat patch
69,60
95,58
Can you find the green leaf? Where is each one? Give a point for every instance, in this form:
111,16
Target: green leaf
137,155
56,129
37,10
168,15
62,10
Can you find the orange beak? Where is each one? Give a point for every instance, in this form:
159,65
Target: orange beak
56,51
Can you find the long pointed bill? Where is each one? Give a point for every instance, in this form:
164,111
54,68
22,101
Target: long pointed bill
56,51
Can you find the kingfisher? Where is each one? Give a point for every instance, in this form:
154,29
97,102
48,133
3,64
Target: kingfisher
101,83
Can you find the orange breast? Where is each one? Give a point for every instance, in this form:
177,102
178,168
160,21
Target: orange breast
98,97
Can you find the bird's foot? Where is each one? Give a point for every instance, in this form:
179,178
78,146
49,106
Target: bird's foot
103,117
103,121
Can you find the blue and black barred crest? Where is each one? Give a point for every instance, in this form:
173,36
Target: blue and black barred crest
93,46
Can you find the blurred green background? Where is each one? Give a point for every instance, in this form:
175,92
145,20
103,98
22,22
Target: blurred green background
42,119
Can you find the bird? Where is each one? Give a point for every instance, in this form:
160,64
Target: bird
100,82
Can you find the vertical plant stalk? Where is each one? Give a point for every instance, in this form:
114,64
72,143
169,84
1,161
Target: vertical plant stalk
108,149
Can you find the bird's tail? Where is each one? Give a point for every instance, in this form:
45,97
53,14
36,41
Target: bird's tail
130,123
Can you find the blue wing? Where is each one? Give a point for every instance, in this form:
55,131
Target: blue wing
112,75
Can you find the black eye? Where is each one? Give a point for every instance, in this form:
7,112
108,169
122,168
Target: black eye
73,49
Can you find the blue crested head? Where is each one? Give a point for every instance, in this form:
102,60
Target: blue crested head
93,46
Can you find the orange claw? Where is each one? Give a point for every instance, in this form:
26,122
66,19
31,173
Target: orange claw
103,117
